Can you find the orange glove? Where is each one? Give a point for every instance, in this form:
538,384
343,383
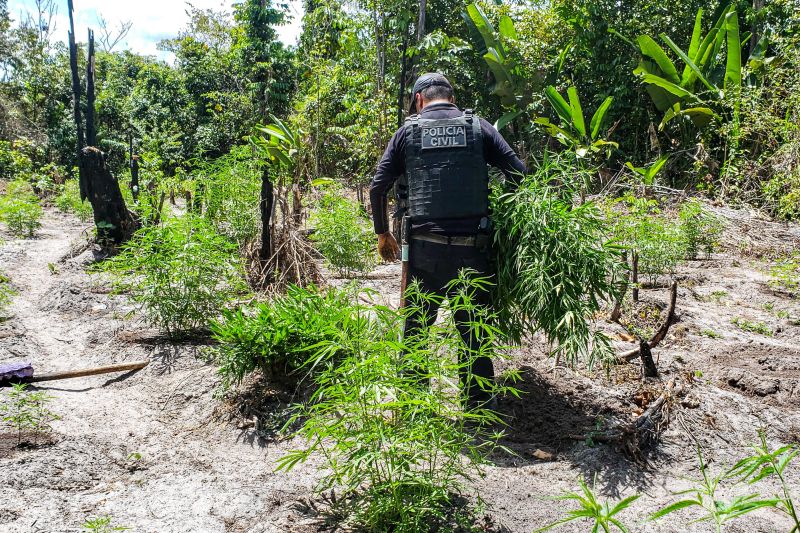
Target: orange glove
387,247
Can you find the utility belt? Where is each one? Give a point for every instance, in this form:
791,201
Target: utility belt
476,241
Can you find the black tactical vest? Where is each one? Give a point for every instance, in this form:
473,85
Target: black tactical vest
446,174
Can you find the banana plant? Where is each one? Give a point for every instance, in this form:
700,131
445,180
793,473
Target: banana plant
573,131
649,172
489,43
279,143
702,80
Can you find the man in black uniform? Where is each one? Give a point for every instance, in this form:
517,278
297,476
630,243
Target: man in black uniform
440,157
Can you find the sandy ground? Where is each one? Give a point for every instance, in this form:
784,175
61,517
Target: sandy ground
158,453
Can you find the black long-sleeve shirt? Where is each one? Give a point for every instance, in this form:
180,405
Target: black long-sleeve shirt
496,152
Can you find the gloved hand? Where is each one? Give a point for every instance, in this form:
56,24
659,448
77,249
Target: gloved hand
387,247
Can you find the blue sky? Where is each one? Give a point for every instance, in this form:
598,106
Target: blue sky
153,20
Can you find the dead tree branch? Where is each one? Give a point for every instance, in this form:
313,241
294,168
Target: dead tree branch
662,331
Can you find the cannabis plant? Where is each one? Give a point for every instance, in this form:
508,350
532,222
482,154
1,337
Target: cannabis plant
700,229
343,235
387,420
24,410
275,336
765,463
555,264
601,514
181,274
703,496
20,209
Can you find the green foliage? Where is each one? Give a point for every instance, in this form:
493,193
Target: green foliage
602,514
69,201
20,209
14,164
228,189
101,524
6,293
785,274
700,229
649,172
343,235
765,463
181,274
752,327
703,495
555,265
389,427
24,410
275,337
641,227
573,132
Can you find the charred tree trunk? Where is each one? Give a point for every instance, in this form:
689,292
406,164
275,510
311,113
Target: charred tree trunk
266,205
76,97
115,224
91,131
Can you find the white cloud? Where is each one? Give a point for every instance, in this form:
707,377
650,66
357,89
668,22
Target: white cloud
153,20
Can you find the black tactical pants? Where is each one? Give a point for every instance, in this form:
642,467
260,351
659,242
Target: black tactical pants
434,265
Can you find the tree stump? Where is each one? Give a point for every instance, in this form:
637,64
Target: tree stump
115,223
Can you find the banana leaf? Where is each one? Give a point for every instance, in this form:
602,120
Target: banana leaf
651,49
577,111
560,105
689,63
506,119
479,21
599,115
507,28
733,66
700,116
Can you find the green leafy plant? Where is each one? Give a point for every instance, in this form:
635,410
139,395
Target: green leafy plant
101,524
181,274
704,496
700,229
785,274
641,227
751,326
555,266
7,292
648,174
343,235
387,422
275,337
602,514
24,410
675,95
711,334
766,463
20,209
573,132
69,201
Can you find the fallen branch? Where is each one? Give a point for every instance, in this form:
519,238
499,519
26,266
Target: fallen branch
662,331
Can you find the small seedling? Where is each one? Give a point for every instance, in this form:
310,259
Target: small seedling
765,463
24,410
603,514
101,524
753,327
53,268
717,296
704,496
710,333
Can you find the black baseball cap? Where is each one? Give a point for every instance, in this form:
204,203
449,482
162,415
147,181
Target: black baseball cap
429,79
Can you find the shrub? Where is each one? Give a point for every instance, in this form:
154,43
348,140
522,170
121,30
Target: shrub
229,190
6,293
397,444
700,229
638,224
343,235
13,162
181,274
24,410
20,209
276,336
785,274
69,201
555,266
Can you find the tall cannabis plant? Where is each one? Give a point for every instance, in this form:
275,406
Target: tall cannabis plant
555,264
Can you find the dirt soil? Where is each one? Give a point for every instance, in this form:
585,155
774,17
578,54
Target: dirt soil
158,452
